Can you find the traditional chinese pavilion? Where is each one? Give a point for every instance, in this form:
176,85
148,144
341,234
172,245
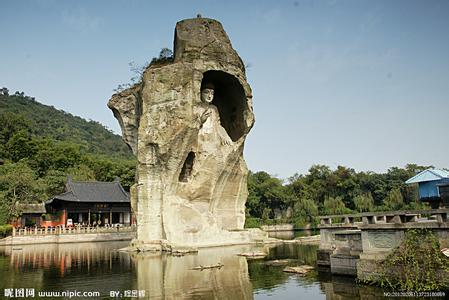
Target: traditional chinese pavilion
90,203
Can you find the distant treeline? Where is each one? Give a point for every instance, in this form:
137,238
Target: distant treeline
323,191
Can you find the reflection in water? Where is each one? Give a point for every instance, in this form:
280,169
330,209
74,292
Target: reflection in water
343,287
171,277
100,267
61,267
290,234
268,279
282,235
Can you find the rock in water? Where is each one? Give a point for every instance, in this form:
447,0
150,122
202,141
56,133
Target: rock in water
299,270
277,262
253,255
186,122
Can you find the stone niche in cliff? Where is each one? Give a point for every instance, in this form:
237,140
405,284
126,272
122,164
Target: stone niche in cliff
230,100
186,122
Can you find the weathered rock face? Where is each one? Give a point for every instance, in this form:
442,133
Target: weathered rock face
187,122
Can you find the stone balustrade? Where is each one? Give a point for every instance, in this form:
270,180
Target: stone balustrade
390,217
30,231
352,244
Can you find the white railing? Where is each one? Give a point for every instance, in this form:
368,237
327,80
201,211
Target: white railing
70,230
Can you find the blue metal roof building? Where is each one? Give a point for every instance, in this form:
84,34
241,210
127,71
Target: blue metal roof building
433,184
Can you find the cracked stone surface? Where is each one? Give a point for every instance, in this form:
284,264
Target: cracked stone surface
186,122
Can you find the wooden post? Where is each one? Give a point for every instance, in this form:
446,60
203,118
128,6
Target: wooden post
88,218
110,216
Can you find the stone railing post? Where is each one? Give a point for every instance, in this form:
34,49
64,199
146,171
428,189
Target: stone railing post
349,220
411,218
326,221
381,219
441,217
396,219
13,231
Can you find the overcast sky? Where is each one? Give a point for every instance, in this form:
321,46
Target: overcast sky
363,84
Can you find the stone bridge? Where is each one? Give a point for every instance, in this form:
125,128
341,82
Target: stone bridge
353,244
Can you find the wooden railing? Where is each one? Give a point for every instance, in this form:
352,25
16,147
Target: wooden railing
70,230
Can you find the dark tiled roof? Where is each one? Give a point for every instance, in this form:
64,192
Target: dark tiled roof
93,192
68,196
38,208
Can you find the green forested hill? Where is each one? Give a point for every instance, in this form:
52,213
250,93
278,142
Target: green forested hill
40,146
47,121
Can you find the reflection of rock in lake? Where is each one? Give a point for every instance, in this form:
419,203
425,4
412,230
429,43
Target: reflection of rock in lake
172,277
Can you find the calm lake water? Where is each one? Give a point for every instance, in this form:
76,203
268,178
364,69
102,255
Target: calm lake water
100,267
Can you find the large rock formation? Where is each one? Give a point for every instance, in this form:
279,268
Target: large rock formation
187,122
